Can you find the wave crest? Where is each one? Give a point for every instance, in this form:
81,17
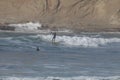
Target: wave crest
83,41
61,78
26,26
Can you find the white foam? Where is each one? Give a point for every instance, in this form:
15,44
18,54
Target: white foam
26,26
64,30
5,38
81,41
61,78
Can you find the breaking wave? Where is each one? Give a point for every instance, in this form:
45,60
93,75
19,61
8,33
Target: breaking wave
26,26
83,41
36,27
68,41
61,78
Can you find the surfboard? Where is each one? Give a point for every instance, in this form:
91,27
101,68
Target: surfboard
56,43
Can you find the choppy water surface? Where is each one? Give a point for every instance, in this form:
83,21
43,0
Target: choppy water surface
73,57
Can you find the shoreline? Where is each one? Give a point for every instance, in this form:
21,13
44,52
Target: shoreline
32,28
60,32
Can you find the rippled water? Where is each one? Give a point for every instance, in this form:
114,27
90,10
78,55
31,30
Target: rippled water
72,57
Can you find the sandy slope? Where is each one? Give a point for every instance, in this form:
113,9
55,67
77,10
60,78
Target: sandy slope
87,15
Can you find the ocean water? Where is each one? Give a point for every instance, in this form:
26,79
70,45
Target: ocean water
93,56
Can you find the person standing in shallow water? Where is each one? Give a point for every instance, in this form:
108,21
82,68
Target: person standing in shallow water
54,37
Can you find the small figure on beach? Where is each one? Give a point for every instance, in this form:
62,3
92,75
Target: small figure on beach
54,37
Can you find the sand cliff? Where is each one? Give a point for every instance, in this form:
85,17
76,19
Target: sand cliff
86,15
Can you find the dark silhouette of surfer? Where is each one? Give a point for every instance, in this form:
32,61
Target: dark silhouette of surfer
37,49
54,37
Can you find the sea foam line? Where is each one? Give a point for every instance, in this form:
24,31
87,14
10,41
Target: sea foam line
62,78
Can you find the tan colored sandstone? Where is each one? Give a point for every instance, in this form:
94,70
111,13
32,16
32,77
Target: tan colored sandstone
76,14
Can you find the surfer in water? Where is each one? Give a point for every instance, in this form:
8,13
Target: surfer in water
37,48
54,37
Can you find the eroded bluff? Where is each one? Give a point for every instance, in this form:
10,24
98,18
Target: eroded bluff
87,15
